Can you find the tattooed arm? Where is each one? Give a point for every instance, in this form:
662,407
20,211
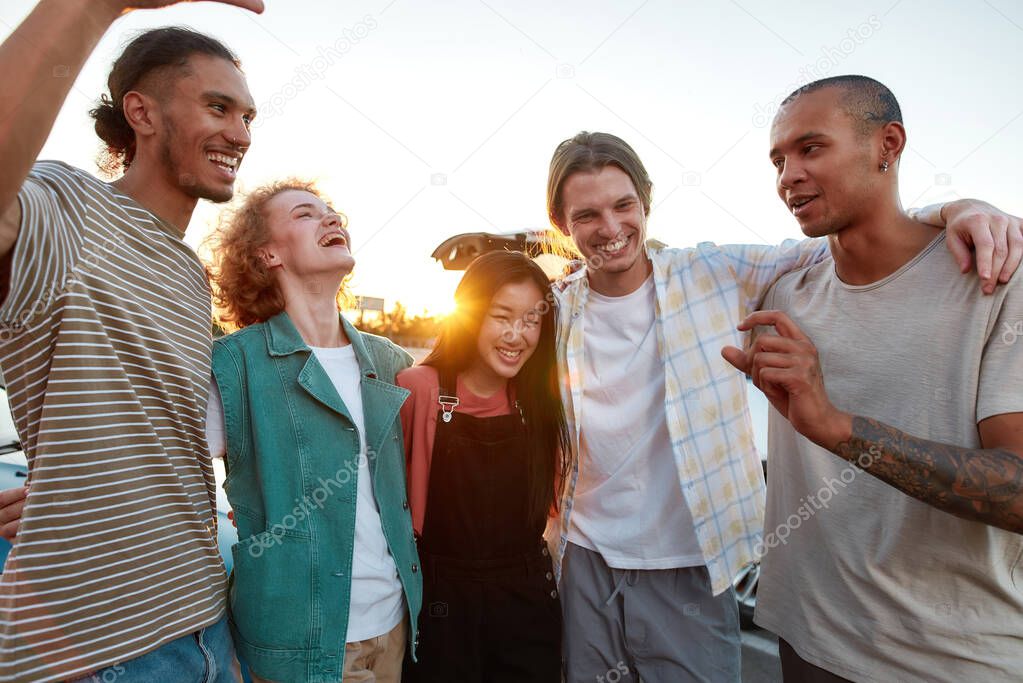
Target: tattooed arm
981,484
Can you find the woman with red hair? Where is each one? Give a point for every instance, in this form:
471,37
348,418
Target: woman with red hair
304,410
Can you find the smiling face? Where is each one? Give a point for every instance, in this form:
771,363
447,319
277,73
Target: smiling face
308,239
203,130
827,170
604,216
509,332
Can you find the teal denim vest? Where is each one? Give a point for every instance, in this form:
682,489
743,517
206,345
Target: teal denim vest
292,468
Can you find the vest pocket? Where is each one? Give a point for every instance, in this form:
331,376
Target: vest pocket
271,591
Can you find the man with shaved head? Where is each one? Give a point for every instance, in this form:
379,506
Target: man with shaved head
895,468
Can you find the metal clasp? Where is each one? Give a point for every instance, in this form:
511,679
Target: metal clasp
447,405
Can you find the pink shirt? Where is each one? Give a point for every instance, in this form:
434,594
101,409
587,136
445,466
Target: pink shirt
419,424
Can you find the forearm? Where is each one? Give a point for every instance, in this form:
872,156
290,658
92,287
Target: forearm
40,62
980,484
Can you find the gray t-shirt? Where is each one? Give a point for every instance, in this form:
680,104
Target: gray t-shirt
861,579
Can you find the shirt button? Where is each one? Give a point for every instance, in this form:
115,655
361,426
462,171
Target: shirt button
549,576
415,568
404,505
554,594
544,551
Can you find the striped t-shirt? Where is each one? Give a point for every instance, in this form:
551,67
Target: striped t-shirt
105,348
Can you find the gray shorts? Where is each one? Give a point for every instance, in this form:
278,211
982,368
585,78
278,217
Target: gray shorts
661,626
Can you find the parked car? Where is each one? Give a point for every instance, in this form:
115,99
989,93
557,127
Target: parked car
458,251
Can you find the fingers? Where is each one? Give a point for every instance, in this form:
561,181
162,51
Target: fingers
773,360
773,392
781,322
960,246
765,361
780,377
12,504
738,358
9,496
1014,239
994,235
10,531
999,226
256,6
984,249
769,349
780,344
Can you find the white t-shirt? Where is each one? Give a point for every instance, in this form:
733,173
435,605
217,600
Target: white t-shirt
377,603
628,505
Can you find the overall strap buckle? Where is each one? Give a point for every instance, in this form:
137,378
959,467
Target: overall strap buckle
447,406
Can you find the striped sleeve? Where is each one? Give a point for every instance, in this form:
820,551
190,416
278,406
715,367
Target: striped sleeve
757,266
48,244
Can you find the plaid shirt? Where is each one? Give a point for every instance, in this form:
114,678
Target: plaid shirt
702,294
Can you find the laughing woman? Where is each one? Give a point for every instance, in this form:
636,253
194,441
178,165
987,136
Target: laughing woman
326,582
485,433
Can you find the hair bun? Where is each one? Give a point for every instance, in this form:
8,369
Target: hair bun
111,126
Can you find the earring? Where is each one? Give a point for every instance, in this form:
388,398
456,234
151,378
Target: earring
884,166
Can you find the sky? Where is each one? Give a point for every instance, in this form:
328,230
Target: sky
422,120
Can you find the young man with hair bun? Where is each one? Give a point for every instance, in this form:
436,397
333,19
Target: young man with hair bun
106,352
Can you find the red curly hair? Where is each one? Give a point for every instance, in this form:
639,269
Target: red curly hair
245,290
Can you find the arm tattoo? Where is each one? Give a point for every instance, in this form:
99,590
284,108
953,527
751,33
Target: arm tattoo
980,484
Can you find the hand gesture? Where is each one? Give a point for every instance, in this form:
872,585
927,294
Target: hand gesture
785,366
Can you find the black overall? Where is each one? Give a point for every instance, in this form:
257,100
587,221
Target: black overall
490,603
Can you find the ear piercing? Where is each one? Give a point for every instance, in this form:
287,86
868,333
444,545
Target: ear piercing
884,166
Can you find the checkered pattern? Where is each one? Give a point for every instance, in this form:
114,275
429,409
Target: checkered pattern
702,294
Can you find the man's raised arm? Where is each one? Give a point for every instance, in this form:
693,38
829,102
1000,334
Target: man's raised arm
40,62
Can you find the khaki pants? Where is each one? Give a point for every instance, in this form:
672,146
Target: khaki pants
375,660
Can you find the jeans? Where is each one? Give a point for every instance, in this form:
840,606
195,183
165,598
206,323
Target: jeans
206,656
